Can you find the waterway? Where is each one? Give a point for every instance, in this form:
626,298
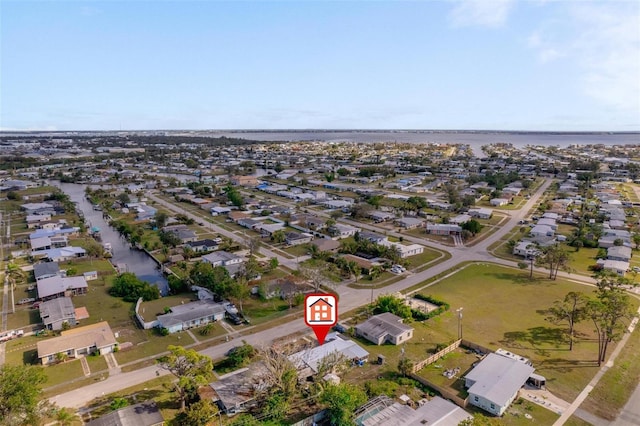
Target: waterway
136,261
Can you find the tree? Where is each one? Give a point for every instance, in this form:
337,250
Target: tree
20,390
314,275
124,198
214,278
472,226
611,306
240,355
128,286
66,417
198,414
233,195
278,236
160,219
554,257
405,366
14,196
273,263
276,407
395,305
341,401
572,310
239,291
190,368
170,239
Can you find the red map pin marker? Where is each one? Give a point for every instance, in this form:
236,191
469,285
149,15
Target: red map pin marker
320,313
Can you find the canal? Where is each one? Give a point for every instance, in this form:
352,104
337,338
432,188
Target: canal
136,261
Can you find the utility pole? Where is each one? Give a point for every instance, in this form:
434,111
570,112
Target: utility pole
459,311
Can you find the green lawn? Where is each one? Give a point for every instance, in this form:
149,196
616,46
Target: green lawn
260,311
300,250
617,384
149,310
502,308
148,343
97,363
63,372
418,261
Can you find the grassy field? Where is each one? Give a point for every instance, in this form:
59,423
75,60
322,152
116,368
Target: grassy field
148,343
617,384
506,311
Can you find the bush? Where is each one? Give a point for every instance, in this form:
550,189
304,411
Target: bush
131,288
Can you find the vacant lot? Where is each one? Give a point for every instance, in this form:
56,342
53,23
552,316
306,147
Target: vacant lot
503,308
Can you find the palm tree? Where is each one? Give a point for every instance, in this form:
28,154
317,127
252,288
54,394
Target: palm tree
66,417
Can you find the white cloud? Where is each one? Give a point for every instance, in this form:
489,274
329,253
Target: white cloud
481,13
608,51
603,41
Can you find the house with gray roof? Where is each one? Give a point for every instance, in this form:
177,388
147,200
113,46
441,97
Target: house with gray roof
384,411
142,414
238,390
308,361
46,270
494,383
54,313
194,314
50,288
620,253
383,328
409,222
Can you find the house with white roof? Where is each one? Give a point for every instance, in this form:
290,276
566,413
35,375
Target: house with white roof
495,382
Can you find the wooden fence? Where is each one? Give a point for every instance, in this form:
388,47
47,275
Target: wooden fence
446,393
433,358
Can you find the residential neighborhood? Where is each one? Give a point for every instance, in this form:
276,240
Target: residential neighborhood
181,264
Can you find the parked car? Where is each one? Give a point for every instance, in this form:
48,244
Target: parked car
26,300
340,328
31,287
234,318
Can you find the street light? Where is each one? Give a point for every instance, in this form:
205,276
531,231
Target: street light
459,311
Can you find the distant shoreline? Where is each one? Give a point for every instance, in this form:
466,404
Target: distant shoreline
203,132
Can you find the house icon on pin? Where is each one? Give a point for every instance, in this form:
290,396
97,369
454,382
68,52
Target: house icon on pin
321,310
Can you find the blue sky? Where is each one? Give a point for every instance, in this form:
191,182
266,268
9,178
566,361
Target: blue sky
506,65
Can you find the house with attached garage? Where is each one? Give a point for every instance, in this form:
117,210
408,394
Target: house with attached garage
77,342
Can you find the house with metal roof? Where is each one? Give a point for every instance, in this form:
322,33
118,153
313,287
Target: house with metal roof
142,414
190,315
494,383
56,312
383,328
308,361
50,288
384,411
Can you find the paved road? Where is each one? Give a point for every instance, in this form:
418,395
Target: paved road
289,263
349,298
